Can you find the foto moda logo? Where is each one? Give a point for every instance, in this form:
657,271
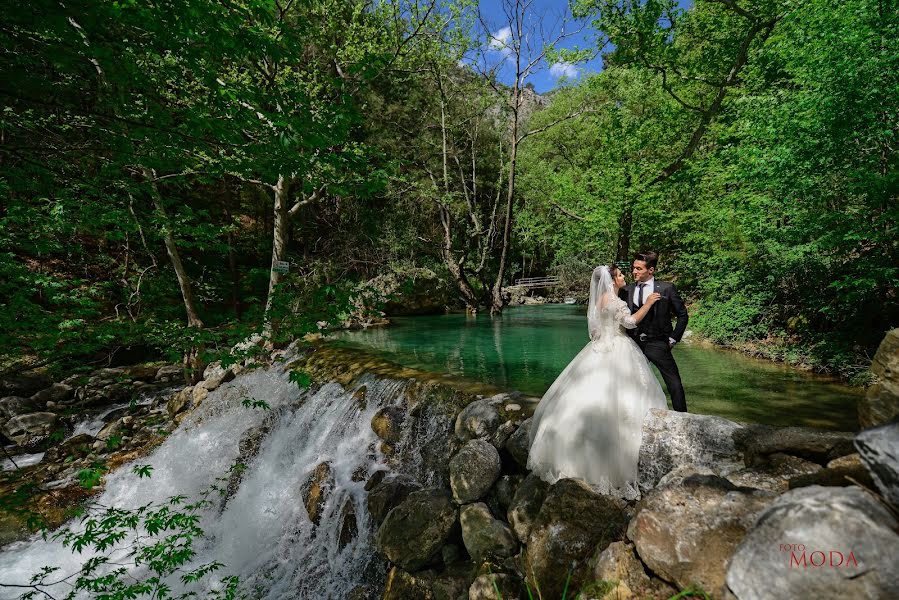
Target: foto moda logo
802,558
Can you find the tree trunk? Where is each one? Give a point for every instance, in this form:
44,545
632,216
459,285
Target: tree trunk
192,362
279,245
497,298
232,257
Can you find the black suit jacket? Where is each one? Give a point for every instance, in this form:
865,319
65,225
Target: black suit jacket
658,321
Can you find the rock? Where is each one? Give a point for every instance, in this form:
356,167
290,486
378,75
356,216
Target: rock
782,556
834,477
214,376
170,373
817,445
77,446
110,430
198,395
503,491
484,587
24,384
484,536
401,585
502,434
478,420
518,444
386,494
349,528
674,438
13,406
526,504
141,372
685,533
775,473
473,470
881,402
180,401
359,397
618,565
413,532
850,460
573,523
387,423
878,449
58,393
315,490
23,429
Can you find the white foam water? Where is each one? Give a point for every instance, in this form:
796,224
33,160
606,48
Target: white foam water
263,533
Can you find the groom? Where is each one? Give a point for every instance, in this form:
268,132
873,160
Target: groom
654,334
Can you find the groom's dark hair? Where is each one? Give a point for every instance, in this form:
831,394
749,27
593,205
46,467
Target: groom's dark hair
649,257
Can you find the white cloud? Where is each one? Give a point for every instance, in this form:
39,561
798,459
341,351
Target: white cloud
563,69
500,41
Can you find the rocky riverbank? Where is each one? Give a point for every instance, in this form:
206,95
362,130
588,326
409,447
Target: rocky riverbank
729,510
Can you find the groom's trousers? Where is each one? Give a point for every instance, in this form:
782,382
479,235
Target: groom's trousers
659,353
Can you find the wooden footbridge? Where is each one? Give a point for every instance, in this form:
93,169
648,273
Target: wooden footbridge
537,282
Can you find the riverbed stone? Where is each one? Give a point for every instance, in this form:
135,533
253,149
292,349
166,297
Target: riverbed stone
817,445
518,444
413,533
387,423
483,535
881,402
878,449
671,439
526,504
23,429
473,470
478,420
818,519
574,522
58,393
685,533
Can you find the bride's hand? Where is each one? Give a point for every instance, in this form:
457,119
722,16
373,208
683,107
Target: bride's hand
653,298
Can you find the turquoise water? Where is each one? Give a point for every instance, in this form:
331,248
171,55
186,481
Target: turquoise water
528,347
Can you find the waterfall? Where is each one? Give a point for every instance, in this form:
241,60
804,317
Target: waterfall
261,531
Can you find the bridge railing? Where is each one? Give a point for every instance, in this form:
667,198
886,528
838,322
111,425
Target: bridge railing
538,281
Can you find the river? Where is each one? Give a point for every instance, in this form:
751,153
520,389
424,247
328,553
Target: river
528,346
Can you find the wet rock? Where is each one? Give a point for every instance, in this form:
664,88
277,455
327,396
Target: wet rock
881,402
359,397
180,401
25,429
526,504
774,473
387,423
386,494
518,444
58,393
315,490
485,536
215,375
478,420
818,522
686,532
349,528
484,587
573,523
878,449
816,445
473,470
110,430
401,585
671,439
77,446
13,406
414,532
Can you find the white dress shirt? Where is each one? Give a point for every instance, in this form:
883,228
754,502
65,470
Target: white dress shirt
648,288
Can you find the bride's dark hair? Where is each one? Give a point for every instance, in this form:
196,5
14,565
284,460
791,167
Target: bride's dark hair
613,268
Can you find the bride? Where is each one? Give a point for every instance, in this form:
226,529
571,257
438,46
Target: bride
589,423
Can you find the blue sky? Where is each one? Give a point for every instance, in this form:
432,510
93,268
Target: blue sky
551,11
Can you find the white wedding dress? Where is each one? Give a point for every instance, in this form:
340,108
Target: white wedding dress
589,423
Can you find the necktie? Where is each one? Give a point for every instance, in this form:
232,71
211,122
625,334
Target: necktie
640,295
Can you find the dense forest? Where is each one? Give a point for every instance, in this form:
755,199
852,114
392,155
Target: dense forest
158,159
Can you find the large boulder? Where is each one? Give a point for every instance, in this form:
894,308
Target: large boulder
526,504
24,429
574,522
881,402
484,536
401,585
478,420
674,438
13,406
473,470
413,532
387,423
686,532
518,445
624,576
57,393
387,492
879,451
817,445
817,542
315,490
180,401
